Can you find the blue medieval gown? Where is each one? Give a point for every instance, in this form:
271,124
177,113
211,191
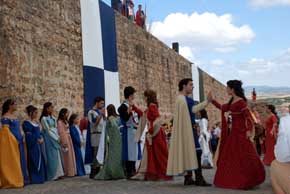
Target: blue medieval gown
35,156
75,134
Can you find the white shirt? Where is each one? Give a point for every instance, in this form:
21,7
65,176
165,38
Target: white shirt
282,147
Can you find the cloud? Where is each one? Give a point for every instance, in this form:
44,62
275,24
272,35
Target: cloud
255,71
217,62
186,52
206,31
269,3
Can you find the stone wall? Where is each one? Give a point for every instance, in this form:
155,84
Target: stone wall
41,58
41,53
145,62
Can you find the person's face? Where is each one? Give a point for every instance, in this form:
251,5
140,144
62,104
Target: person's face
189,88
50,109
268,110
230,91
13,106
34,115
77,121
140,7
101,104
132,97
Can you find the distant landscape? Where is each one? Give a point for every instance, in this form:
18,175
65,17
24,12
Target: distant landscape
271,95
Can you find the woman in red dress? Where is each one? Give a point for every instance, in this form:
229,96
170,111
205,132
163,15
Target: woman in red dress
271,134
238,165
157,151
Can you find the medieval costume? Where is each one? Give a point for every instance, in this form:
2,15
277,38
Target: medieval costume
204,141
112,168
14,126
10,165
35,159
270,142
67,149
131,150
238,165
154,162
54,168
185,152
78,142
93,140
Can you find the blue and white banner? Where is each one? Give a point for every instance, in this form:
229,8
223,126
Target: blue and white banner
101,77
196,84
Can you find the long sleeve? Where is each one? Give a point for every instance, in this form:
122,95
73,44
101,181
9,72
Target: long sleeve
248,117
137,110
224,107
62,133
152,115
200,106
51,130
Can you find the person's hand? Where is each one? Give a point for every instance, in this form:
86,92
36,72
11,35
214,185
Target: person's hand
209,96
249,136
40,141
103,112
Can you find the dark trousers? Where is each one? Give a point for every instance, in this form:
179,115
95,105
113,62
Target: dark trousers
130,168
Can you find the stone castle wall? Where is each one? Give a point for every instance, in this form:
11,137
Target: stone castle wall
41,58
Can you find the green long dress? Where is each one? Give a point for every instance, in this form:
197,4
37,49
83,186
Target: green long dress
112,168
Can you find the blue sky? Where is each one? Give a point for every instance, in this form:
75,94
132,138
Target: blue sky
240,39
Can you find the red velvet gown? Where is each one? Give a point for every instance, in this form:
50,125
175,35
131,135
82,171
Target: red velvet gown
270,140
157,152
238,165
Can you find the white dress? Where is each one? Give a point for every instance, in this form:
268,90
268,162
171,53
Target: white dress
204,138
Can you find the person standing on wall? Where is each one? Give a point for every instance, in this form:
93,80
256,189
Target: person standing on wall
140,17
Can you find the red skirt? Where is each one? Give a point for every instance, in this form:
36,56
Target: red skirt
157,158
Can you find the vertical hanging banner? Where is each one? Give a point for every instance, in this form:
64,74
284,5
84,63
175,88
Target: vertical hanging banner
195,78
100,65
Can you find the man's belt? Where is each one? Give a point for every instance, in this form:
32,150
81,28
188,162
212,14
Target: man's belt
96,132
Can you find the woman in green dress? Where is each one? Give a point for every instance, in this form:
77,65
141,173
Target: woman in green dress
112,168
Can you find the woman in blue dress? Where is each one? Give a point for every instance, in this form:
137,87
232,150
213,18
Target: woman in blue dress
34,142
10,119
78,143
54,167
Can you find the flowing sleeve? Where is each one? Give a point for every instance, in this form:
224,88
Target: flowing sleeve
200,106
248,116
138,111
224,107
62,133
152,115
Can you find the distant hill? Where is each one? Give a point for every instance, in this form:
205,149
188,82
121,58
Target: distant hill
268,91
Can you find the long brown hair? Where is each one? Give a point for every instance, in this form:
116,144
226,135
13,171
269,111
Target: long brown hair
151,97
111,110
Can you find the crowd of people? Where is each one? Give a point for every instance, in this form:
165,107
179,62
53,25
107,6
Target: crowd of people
46,148
126,8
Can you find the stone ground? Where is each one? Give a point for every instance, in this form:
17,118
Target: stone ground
82,185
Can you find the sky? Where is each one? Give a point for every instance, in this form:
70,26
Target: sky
247,40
